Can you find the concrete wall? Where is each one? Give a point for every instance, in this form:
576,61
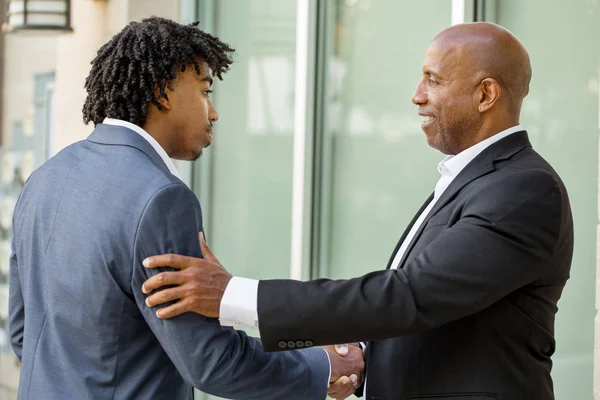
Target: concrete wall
24,57
74,52
139,9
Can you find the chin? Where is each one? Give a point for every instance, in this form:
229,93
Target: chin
196,155
433,142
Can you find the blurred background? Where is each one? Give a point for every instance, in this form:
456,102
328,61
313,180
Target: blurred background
318,162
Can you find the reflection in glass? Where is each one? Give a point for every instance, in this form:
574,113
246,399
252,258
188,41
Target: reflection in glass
378,168
248,211
561,114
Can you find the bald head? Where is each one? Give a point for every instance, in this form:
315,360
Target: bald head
489,50
475,77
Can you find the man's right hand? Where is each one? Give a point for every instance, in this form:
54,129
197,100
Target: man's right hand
346,365
342,388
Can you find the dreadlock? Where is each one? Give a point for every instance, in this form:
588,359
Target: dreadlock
143,57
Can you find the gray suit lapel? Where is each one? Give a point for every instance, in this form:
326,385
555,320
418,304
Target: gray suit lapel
481,165
121,136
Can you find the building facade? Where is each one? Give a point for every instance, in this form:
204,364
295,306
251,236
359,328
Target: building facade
319,161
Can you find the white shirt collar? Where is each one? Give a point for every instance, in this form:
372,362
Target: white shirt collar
157,147
452,165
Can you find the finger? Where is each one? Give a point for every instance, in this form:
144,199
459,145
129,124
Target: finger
348,392
354,380
341,388
169,260
174,310
162,279
164,296
350,388
337,387
341,349
206,252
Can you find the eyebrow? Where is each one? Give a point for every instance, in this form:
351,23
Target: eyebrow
208,79
431,73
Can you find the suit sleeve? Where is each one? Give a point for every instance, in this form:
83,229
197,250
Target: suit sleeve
501,242
217,360
16,306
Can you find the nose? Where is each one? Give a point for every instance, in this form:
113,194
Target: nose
213,115
419,97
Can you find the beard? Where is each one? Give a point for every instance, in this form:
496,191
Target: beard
456,133
197,155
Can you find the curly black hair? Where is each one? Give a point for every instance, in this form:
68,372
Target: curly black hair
143,57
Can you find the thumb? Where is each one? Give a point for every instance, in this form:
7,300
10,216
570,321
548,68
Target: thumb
206,253
341,349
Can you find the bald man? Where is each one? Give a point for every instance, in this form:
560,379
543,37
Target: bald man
466,307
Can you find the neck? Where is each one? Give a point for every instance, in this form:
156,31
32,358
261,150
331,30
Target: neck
489,129
156,129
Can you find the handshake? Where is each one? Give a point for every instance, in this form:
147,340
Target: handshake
347,369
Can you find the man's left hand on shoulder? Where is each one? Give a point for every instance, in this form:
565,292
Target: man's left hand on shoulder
198,283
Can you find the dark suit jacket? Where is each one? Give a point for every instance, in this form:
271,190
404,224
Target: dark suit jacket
470,312
83,224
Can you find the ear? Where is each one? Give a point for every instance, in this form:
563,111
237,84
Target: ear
164,102
489,95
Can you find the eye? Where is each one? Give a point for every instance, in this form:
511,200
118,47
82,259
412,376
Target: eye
432,81
208,92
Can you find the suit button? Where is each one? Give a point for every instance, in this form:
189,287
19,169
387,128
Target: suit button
308,343
282,344
299,344
291,344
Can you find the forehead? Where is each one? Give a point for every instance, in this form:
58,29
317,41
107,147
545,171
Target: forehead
444,57
204,69
205,73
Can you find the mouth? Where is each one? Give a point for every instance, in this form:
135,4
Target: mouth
426,119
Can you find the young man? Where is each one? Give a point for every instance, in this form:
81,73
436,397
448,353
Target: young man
89,216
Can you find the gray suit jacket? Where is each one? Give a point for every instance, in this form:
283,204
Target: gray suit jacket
83,224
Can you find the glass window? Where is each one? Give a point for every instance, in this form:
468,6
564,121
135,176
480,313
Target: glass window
561,115
248,208
244,180
377,166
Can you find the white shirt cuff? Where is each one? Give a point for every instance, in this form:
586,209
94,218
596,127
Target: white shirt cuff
364,346
239,303
328,359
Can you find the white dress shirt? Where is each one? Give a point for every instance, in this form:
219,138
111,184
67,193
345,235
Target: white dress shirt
155,145
239,302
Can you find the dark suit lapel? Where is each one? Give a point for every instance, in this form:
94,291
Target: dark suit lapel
389,264
480,166
121,136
